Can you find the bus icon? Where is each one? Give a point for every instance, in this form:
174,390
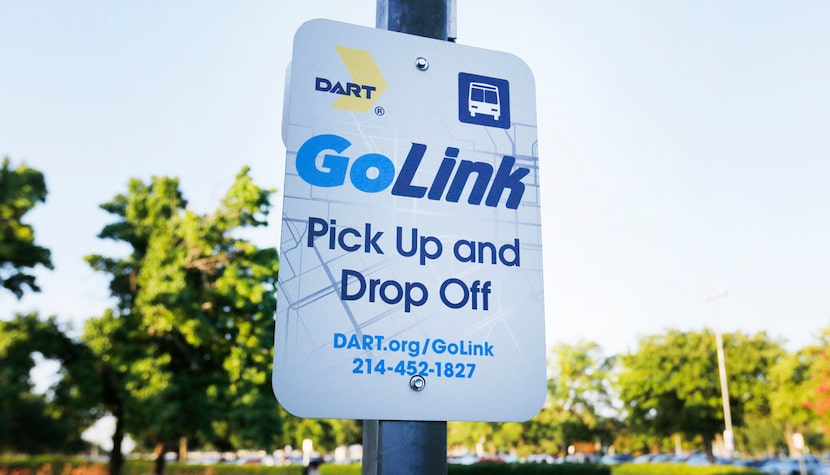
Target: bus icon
483,100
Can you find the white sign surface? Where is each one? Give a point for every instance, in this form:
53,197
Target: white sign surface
410,283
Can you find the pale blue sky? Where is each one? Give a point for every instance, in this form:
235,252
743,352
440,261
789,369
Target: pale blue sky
685,145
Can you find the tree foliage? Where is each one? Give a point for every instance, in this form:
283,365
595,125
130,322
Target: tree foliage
38,423
579,405
21,189
578,408
126,351
819,385
799,390
670,385
190,341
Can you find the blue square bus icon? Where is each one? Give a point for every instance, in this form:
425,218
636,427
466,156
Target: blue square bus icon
483,100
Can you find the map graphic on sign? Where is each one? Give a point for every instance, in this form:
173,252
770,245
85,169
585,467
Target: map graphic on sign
410,284
483,100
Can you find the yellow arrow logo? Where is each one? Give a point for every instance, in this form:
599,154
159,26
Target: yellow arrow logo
366,75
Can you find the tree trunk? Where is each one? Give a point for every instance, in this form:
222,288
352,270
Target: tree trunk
158,463
707,443
183,449
116,456
788,436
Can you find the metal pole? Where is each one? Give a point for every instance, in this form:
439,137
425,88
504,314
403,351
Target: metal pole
429,18
409,447
728,435
404,447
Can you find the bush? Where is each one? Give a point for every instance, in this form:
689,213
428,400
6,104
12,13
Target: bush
333,469
678,469
557,469
228,469
56,465
529,469
137,467
490,469
49,465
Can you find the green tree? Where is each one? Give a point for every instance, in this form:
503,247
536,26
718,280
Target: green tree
579,406
800,387
21,189
211,295
470,434
128,354
670,385
790,394
818,386
199,301
37,423
327,434
489,437
749,360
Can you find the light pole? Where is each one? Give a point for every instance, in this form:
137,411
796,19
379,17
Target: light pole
728,435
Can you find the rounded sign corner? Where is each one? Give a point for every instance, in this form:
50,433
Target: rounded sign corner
285,398
312,23
535,408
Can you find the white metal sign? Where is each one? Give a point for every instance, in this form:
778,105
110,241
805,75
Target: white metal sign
410,283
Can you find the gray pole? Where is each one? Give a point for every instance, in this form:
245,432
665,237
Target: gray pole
429,18
409,447
728,435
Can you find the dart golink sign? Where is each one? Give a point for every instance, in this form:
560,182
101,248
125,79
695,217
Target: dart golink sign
410,283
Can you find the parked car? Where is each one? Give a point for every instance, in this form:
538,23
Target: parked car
616,459
792,466
698,459
750,463
661,458
541,458
645,458
466,459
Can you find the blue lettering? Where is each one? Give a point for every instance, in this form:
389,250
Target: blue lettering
373,172
439,346
443,175
413,294
323,84
484,252
468,295
333,172
403,185
338,89
359,173
465,294
344,285
507,178
318,227
350,89
354,343
465,169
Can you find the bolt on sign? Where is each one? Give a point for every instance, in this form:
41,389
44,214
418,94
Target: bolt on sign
410,283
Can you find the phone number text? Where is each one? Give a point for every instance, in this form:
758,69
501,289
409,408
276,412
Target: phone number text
411,368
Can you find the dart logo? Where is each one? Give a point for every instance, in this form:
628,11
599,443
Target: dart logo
365,86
